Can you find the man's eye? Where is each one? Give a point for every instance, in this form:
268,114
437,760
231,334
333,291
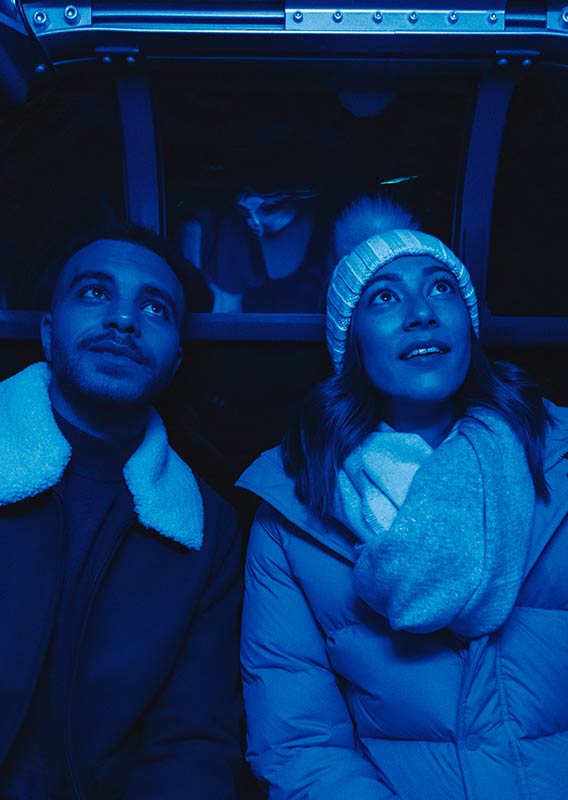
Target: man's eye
156,309
93,292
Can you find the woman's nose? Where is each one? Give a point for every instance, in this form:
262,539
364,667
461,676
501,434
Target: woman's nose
420,314
254,223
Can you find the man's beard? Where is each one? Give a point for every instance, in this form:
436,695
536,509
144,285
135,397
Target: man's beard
95,387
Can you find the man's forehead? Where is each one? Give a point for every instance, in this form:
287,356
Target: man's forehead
120,259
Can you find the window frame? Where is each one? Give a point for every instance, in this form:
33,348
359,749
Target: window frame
143,188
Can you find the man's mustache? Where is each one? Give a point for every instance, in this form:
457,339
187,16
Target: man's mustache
126,343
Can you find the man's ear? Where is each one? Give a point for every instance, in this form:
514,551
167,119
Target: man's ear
180,355
45,332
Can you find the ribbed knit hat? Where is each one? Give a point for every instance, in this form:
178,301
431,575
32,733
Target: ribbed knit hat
372,253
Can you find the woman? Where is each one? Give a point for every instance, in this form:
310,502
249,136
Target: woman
265,245
267,250
405,628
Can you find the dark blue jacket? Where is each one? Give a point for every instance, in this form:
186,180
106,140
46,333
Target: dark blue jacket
152,705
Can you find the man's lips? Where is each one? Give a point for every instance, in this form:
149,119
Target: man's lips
117,349
424,349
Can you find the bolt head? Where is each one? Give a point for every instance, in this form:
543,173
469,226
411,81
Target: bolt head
337,16
564,15
40,18
413,17
492,18
452,17
377,16
298,16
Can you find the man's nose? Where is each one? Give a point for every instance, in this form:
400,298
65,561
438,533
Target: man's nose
122,317
420,314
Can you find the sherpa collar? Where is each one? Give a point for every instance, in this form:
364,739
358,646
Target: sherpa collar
34,454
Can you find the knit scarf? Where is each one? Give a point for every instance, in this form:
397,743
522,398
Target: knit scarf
444,533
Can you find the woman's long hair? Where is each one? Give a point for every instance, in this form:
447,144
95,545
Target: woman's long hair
341,411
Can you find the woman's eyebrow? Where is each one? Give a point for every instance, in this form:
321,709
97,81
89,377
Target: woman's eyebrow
385,276
437,268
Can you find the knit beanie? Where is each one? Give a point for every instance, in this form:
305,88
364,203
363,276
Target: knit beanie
373,232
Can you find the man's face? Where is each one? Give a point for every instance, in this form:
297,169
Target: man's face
113,333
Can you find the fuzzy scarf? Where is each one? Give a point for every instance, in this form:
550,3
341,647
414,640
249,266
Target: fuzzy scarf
34,454
445,533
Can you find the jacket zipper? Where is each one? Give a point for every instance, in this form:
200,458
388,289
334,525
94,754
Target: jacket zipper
470,663
75,783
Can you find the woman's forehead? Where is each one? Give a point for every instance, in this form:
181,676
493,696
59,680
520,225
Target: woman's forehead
404,267
254,201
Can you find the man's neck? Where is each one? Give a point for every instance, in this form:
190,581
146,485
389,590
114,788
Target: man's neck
105,422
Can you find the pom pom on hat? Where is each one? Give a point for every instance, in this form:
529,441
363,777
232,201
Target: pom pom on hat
370,234
368,217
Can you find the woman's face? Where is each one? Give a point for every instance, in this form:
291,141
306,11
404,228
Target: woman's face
413,332
267,214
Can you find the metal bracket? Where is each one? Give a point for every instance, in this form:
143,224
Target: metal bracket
513,59
557,17
411,20
118,55
56,16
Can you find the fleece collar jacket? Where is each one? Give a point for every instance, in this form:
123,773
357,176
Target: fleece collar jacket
151,708
34,454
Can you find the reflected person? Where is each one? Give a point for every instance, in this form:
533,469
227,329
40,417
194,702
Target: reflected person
120,569
267,250
405,627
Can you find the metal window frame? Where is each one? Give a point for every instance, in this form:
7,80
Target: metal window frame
25,326
144,204
475,215
141,174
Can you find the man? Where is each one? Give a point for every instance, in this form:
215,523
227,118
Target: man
119,571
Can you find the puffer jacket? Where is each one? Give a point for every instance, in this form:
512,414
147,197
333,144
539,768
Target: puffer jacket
342,707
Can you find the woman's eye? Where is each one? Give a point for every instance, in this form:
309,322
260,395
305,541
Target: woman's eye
272,210
384,296
443,286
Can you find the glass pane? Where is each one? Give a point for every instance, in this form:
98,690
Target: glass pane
61,172
527,269
256,174
231,400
